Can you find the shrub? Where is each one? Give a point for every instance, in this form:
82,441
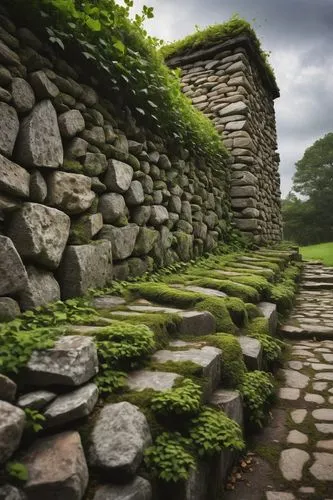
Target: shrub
182,400
212,431
219,310
257,389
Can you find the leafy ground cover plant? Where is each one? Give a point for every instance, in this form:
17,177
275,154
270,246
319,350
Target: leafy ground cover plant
183,400
257,389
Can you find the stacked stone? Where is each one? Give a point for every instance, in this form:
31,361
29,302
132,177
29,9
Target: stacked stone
80,181
228,87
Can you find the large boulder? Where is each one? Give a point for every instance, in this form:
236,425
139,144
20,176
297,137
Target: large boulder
39,142
12,271
14,179
84,267
12,420
42,288
72,361
122,239
113,208
57,468
118,176
40,233
70,192
9,128
137,489
118,440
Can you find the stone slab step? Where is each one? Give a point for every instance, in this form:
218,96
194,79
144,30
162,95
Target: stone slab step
140,380
306,331
321,285
200,289
252,352
269,311
327,277
231,402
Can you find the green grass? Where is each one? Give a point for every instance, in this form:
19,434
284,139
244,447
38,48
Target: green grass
323,251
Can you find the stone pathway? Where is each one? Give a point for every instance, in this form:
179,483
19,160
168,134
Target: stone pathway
294,454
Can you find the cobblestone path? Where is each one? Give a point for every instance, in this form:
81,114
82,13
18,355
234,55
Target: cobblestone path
294,454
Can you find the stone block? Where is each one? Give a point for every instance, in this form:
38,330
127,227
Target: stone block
44,88
269,311
70,192
145,241
252,352
113,208
159,215
94,164
246,224
135,194
122,238
38,187
197,323
12,271
243,192
230,402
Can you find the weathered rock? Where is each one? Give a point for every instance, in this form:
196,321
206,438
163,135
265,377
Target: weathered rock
39,143
269,311
145,241
159,215
158,381
72,406
94,164
141,215
113,208
297,437
38,187
84,267
197,323
252,352
323,466
108,301
235,108
292,462
12,420
14,179
9,309
135,194
122,239
43,86
40,233
57,468
7,389
23,95
71,123
72,361
118,440
9,128
85,228
118,176
41,288
9,492
7,56
36,399
230,402
77,148
137,489
70,192
12,271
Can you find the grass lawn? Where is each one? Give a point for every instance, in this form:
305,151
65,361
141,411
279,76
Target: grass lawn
323,251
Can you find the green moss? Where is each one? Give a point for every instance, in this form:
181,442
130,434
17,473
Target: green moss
219,310
252,311
185,368
237,310
163,294
244,292
233,366
241,267
72,166
260,283
270,452
283,295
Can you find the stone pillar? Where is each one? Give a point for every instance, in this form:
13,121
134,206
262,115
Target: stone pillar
229,82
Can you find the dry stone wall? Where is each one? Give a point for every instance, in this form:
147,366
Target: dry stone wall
86,193
229,83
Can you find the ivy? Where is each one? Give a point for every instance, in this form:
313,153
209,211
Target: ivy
182,400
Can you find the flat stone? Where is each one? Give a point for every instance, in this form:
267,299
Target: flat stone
57,468
85,228
71,123
84,267
323,414
9,129
122,238
12,421
325,428
36,399
328,357
230,402
144,379
314,398
39,142
252,352
118,440
137,489
12,271
108,301
153,308
322,469
291,463
319,386
197,323
307,490
7,389
42,288
118,176
70,192
23,95
298,416
325,445
279,495
296,437
71,362
295,379
40,233
269,311
321,366
295,365
324,376
14,179
289,394
205,291
72,406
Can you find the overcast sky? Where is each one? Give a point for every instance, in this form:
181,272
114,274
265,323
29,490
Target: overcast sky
299,35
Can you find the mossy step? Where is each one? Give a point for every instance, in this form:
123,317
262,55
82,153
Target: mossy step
199,289
252,352
319,285
269,311
141,380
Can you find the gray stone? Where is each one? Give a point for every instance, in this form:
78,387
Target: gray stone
145,241
71,123
9,128
323,414
140,215
235,108
122,239
43,86
42,288
36,400
57,468
7,56
77,148
269,311
94,164
295,365
243,192
158,381
279,495
5,96
324,376
9,492
9,309
85,228
252,352
40,233
325,445
159,215
298,416
135,195
39,142
113,207
230,402
14,179
197,323
38,187
289,394
322,469
12,420
319,386
84,267
70,192
118,176
23,95
12,271
295,379
72,406
7,389
314,398
95,136
291,463
72,361
325,428
246,224
147,308
5,76
137,489
296,437
118,439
